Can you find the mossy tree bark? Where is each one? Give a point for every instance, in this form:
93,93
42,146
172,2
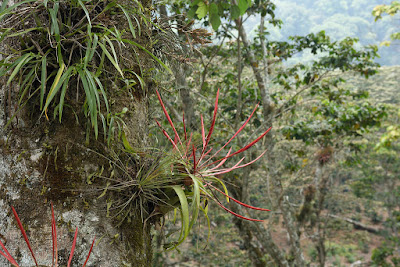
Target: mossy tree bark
46,161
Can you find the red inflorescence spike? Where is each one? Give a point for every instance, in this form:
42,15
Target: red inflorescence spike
73,247
24,234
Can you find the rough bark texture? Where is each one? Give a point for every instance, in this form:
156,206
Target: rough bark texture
43,162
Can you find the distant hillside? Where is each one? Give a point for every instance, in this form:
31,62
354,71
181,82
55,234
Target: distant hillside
338,19
383,87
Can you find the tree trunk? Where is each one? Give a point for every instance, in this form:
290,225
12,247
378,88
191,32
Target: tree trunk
43,162
267,242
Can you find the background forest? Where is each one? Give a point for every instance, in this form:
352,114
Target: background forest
201,133
329,175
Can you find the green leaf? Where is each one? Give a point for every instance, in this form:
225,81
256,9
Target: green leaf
213,9
58,81
7,11
215,21
110,57
62,97
102,91
90,98
223,186
24,31
192,12
43,81
195,200
235,12
205,211
94,46
103,194
54,25
3,5
54,85
93,87
184,212
195,2
148,52
127,146
86,12
22,60
202,10
242,6
129,21
28,82
88,51
5,33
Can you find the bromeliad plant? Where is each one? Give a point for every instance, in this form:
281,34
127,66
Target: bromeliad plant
200,167
54,261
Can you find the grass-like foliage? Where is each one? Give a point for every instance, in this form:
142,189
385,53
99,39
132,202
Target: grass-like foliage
4,252
57,45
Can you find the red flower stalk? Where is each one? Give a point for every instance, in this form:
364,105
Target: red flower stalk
204,165
8,256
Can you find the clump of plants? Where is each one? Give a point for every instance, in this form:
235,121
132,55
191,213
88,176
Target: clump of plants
184,178
74,55
4,252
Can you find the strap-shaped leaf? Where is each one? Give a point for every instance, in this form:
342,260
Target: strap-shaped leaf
62,97
110,57
102,91
21,61
86,12
184,208
58,82
26,84
148,52
7,11
195,200
43,79
129,20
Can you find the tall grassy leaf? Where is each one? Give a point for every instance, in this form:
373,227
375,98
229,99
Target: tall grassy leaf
43,79
24,32
5,33
54,86
102,91
54,25
109,56
3,5
91,48
23,60
86,12
28,82
93,87
90,98
62,97
148,52
129,21
88,51
7,11
57,85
